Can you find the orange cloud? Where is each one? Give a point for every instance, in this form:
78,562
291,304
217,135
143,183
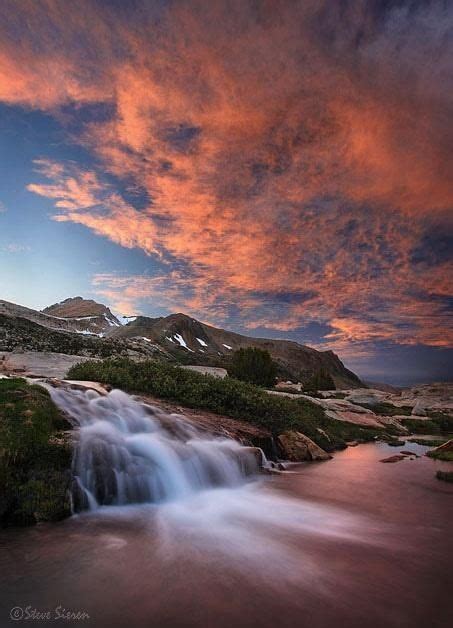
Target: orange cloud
282,148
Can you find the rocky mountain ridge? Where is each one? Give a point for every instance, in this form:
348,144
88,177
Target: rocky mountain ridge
179,333
176,337
75,315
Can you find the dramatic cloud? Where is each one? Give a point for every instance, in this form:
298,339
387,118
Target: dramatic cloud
287,162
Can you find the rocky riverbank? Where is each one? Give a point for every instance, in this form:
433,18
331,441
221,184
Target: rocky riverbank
36,454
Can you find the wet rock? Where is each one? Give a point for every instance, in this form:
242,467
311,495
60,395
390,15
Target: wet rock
396,458
396,443
257,454
297,447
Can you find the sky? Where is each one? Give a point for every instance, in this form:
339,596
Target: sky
277,168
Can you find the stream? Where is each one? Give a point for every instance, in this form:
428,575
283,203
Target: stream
176,528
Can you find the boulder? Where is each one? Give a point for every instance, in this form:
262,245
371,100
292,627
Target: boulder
297,447
419,408
363,398
257,455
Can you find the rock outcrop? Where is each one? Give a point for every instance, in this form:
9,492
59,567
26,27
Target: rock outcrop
296,447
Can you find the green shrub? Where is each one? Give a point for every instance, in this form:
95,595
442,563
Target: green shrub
443,420
254,366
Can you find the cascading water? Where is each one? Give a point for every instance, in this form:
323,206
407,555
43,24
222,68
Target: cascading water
130,452
179,530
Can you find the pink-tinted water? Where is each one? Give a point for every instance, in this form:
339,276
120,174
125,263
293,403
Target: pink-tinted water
350,542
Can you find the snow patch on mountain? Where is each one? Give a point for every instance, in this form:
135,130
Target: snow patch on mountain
124,320
182,342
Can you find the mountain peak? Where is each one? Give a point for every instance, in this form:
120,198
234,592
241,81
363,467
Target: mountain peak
76,307
97,317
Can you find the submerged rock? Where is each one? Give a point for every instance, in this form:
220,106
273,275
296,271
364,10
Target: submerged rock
396,458
297,447
446,476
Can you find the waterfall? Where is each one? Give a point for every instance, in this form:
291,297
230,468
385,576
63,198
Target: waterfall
130,452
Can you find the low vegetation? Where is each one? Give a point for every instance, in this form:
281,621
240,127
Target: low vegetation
34,457
228,397
441,455
438,423
429,442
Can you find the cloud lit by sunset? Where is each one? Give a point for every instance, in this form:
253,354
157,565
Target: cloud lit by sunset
277,168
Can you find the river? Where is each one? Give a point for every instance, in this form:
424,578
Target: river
348,542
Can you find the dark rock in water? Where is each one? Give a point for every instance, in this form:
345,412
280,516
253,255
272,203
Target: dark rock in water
297,447
446,476
406,452
396,458
396,443
257,455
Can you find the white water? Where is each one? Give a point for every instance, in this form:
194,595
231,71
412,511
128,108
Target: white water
131,456
199,495
130,452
